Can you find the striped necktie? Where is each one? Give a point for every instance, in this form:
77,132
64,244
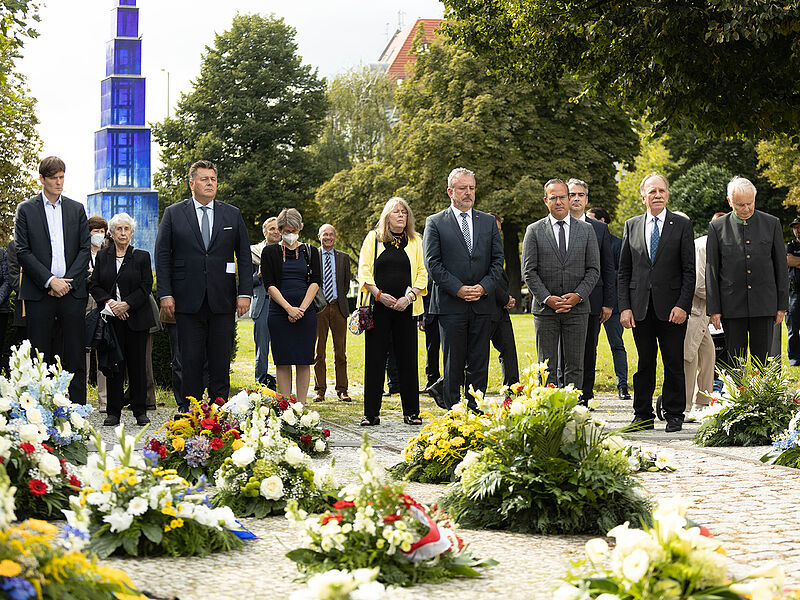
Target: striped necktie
327,279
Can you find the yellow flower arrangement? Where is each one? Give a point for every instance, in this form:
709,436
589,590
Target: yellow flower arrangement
9,568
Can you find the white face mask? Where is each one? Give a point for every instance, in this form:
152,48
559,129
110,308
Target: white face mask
290,238
97,239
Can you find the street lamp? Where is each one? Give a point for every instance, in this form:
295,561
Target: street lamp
167,72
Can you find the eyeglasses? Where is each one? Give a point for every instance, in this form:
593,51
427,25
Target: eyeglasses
400,212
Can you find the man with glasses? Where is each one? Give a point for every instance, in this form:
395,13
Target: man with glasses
561,266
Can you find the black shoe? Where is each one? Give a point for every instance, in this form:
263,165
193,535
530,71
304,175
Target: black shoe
659,410
142,419
111,421
151,407
623,394
435,392
640,424
673,424
392,391
367,422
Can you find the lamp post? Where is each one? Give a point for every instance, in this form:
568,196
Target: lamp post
167,72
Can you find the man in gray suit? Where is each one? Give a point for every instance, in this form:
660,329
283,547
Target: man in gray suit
464,258
747,278
260,306
560,265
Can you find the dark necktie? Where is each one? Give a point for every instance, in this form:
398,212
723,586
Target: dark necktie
465,231
562,240
654,237
327,279
205,227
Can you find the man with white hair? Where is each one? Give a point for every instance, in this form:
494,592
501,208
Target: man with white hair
747,282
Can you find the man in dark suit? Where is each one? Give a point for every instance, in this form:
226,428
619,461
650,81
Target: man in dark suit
561,266
335,285
52,244
502,329
656,287
464,257
601,300
430,325
747,279
201,245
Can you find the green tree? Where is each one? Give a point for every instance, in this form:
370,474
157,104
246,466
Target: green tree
16,24
254,110
724,66
700,192
780,161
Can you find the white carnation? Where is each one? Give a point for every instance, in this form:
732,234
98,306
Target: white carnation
272,488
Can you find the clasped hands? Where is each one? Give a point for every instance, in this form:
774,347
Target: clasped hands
471,293
563,304
120,309
59,287
398,304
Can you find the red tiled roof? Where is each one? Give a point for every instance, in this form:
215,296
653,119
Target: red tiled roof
397,53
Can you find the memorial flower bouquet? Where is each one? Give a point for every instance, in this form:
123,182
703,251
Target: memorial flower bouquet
669,560
198,442
754,409
376,525
298,423
547,466
35,405
343,585
131,506
786,448
431,456
43,481
641,458
268,471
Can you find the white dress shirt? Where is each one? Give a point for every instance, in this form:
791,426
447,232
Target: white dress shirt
458,214
648,226
55,227
556,228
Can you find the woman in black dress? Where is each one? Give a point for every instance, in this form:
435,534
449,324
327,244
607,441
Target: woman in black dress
292,275
391,268
122,280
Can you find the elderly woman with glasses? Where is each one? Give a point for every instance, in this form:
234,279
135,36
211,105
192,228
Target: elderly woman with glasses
122,281
391,269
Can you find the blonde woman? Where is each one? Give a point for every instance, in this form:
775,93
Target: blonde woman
392,270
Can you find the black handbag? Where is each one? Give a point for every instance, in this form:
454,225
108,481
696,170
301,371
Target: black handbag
95,326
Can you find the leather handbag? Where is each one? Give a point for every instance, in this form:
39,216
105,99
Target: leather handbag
361,320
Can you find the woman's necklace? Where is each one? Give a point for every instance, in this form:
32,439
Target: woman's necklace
397,239
296,252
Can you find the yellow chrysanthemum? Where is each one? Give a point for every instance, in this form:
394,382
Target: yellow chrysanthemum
168,510
178,444
9,568
132,480
105,487
429,452
457,441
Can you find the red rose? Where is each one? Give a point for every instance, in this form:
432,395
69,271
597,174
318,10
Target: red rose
208,423
216,443
27,448
343,504
326,433
37,487
336,517
74,481
283,404
306,439
391,518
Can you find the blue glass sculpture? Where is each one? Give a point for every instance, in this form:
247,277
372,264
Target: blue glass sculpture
122,146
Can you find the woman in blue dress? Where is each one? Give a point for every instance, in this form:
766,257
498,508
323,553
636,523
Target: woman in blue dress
292,274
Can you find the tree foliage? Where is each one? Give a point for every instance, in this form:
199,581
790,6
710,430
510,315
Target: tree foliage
700,192
724,66
254,110
780,161
16,23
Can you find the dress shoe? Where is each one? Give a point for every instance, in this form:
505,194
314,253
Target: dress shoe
392,391
673,424
623,394
343,397
435,392
319,398
640,424
111,421
659,409
142,419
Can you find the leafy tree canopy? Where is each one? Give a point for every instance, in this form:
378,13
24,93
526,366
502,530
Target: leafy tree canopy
16,23
722,66
254,110
780,160
699,193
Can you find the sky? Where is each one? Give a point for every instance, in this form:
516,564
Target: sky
65,64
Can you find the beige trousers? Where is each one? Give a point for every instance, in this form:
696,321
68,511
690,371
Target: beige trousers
699,372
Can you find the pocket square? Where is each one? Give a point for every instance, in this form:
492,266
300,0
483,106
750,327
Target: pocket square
224,228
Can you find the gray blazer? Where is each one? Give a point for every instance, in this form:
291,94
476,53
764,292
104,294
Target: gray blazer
546,273
450,264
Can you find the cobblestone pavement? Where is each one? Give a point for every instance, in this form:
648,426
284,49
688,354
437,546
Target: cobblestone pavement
751,507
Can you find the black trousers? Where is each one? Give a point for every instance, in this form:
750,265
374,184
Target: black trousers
69,311
590,356
650,334
465,349
134,350
737,331
200,335
398,329
433,344
175,352
503,341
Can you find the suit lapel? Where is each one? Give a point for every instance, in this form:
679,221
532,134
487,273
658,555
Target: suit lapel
215,229
551,236
453,220
191,216
43,219
572,238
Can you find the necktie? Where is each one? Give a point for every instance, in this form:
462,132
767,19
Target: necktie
327,279
562,239
654,237
465,231
205,227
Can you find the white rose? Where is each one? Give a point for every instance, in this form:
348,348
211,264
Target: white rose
243,456
293,456
49,465
5,404
372,590
5,447
298,407
635,565
614,443
77,420
34,415
30,433
3,422
60,399
314,417
64,429
319,446
305,420
119,520
517,408
289,416
596,550
272,488
580,414
567,592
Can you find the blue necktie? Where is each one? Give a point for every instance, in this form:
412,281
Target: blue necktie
205,228
465,231
654,237
327,280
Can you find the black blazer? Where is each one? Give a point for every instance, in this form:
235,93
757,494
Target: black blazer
188,272
450,265
34,252
746,270
604,292
272,265
135,282
669,278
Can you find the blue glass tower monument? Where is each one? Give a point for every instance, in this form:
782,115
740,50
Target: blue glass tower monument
122,145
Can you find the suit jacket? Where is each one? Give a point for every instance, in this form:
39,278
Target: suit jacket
260,295
342,265
34,251
616,250
135,282
546,273
188,272
450,264
670,278
605,290
746,270
13,275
